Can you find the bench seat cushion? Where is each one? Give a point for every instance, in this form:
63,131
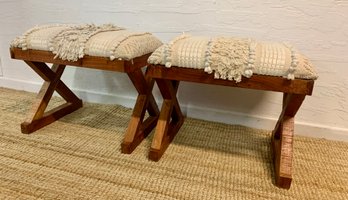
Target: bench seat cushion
71,42
231,58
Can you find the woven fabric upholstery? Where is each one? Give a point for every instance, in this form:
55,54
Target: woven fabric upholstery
71,42
231,58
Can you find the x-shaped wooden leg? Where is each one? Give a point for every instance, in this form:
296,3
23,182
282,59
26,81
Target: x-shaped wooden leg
282,139
170,119
138,129
37,117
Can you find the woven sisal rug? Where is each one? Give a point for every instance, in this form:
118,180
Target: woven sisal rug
79,157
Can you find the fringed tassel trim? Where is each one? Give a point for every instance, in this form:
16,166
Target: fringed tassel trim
113,55
248,72
102,28
70,44
168,49
294,62
229,57
207,60
157,56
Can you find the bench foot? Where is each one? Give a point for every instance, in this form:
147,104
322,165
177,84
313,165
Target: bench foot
37,117
49,117
170,119
144,130
138,128
282,140
157,150
283,176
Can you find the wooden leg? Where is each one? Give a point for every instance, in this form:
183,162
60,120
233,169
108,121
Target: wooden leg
170,119
282,140
138,128
37,117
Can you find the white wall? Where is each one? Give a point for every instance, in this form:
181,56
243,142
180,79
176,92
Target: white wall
317,28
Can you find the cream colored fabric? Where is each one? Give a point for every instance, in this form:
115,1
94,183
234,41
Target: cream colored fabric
71,42
231,58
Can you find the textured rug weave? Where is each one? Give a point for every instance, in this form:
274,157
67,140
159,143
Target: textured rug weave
78,157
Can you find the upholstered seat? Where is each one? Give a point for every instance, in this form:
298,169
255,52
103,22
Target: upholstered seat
231,57
71,42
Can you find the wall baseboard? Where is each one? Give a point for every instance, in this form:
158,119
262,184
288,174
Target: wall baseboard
267,123
260,122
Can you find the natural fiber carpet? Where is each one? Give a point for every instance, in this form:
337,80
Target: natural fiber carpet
79,157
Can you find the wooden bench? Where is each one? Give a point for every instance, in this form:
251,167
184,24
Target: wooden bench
200,54
171,117
37,118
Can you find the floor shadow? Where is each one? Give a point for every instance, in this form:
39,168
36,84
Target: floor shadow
235,140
